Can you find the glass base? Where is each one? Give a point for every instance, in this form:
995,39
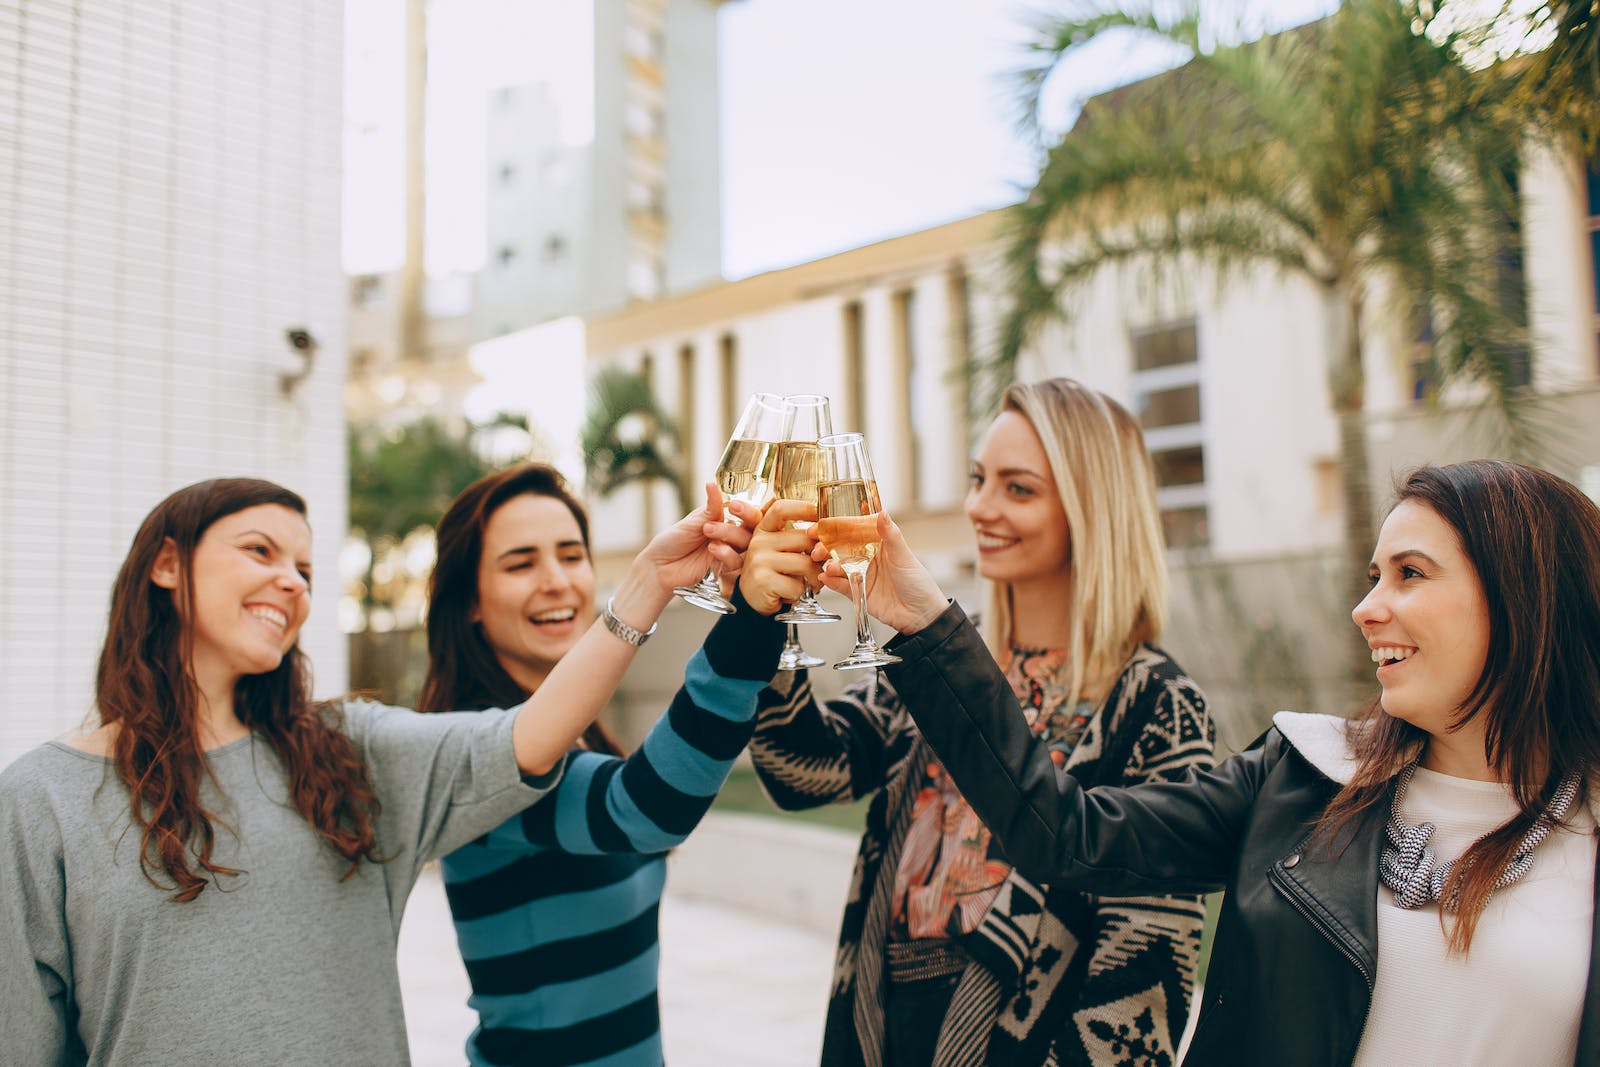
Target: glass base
863,656
800,612
798,659
704,595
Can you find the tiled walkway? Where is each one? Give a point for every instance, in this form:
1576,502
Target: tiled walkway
737,987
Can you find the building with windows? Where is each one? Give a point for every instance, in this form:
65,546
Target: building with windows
1228,381
634,213
629,210
169,191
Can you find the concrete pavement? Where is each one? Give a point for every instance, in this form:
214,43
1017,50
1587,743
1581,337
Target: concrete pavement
747,938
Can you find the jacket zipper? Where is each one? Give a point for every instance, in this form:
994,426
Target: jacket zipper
1290,895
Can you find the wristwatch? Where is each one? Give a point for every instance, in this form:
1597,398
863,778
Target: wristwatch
633,636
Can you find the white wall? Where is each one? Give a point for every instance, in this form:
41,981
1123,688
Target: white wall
169,196
1263,394
1560,271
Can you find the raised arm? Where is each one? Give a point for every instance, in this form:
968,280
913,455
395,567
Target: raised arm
808,753
650,801
1156,838
1161,837
581,684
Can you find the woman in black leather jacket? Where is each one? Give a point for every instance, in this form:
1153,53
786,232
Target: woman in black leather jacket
1332,947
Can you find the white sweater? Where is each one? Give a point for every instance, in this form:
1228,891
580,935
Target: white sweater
1517,996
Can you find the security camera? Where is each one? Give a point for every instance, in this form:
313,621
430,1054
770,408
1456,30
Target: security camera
302,353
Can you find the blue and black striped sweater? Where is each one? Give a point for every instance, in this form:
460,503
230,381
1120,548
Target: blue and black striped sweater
555,909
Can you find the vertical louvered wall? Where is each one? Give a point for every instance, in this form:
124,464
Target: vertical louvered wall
169,204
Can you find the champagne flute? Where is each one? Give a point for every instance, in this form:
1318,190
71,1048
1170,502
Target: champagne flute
799,464
847,523
745,473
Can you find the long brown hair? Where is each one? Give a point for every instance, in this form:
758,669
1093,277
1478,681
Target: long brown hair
1534,541
463,671
1107,488
144,685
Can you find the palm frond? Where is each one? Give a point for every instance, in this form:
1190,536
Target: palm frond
626,437
1354,145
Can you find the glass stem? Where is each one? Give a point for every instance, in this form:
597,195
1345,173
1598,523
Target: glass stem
857,573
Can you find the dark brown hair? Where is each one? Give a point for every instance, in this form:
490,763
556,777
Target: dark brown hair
144,684
1534,541
463,672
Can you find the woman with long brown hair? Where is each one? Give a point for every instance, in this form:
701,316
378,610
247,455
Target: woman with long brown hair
1415,885
217,871
555,910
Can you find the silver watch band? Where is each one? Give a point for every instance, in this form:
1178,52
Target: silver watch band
630,634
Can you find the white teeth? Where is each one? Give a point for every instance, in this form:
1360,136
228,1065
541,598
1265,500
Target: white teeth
557,615
271,616
1384,654
991,541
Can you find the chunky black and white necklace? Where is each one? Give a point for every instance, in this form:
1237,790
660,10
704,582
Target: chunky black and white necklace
1407,865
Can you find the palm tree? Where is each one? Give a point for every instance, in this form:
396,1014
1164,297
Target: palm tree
404,479
1562,82
627,438
1357,152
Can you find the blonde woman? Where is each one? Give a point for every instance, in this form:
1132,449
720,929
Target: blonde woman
947,954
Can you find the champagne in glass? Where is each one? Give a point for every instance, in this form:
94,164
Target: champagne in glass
847,523
745,473
798,474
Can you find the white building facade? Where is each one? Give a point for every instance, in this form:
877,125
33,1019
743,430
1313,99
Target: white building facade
169,209
632,214
1228,380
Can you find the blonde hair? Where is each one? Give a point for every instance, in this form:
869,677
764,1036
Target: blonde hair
1104,478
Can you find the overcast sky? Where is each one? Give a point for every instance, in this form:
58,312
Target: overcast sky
843,121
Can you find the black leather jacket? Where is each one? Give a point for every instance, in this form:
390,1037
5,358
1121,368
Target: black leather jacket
1292,966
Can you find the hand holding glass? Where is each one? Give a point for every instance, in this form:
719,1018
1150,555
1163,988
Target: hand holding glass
745,473
847,525
799,467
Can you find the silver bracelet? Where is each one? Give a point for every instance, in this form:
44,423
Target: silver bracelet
630,634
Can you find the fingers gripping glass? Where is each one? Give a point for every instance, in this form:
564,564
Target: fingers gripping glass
745,473
799,465
847,524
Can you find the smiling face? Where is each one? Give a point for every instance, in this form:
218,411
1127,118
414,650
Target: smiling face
1425,619
535,586
1014,508
251,582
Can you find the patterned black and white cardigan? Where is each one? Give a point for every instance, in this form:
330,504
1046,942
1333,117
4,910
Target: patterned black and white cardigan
1059,977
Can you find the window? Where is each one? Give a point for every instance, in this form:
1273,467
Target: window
1422,338
686,418
1181,466
1511,284
366,290
728,367
854,385
555,248
904,303
1166,397
1164,348
1593,181
1171,407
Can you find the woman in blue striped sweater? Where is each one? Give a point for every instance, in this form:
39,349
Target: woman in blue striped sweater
555,910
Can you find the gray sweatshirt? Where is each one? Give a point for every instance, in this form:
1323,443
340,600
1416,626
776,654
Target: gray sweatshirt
288,963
